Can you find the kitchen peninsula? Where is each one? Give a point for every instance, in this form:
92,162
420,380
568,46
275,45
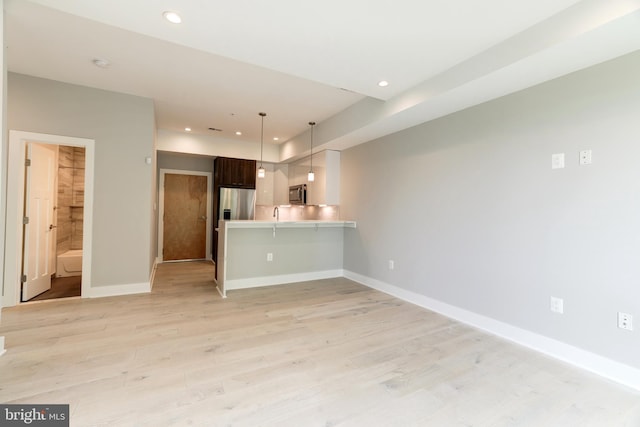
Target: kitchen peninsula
263,253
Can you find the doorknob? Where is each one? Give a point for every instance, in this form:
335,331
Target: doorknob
51,227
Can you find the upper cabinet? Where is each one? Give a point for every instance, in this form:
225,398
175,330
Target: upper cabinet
281,184
273,189
239,173
325,189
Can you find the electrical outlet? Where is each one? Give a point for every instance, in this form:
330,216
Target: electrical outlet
392,264
585,157
556,305
269,257
625,321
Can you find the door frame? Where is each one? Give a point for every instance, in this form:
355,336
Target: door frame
16,156
209,221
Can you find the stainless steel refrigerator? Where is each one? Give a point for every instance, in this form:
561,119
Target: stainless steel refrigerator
237,203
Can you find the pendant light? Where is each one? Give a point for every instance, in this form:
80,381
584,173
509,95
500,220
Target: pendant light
261,169
311,176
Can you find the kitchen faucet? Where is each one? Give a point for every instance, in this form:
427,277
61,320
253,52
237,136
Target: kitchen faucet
276,213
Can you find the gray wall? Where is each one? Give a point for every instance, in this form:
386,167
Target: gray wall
295,251
185,162
471,212
123,128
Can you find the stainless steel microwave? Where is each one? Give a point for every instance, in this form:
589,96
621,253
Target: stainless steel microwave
298,194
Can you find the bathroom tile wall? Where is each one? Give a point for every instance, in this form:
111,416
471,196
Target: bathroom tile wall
70,198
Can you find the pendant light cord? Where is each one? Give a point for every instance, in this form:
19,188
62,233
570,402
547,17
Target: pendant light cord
261,135
312,124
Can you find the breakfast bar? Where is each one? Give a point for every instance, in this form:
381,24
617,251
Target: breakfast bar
264,253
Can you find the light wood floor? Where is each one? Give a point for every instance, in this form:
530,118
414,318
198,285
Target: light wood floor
322,353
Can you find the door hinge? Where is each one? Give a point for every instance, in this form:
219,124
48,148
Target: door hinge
27,162
25,220
24,278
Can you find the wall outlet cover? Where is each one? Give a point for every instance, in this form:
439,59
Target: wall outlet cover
556,305
585,157
625,321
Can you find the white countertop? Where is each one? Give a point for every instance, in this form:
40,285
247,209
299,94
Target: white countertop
288,224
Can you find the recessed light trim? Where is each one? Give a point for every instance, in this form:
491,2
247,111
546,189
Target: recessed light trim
187,129
383,83
238,133
172,17
275,138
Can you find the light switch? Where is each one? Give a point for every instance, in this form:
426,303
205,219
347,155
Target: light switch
585,157
557,161
556,305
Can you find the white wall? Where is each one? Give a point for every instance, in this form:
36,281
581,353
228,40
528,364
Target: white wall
123,128
205,145
471,212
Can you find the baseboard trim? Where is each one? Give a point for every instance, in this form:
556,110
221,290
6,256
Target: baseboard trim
2,349
602,366
220,291
118,290
254,282
152,276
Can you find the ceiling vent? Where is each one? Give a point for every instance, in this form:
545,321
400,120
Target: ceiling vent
216,129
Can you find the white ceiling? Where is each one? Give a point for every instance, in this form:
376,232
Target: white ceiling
300,61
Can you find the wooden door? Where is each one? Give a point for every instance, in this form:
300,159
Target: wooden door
185,217
39,231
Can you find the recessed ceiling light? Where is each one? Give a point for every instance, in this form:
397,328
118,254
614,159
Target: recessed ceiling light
238,133
102,63
172,17
275,138
383,83
187,129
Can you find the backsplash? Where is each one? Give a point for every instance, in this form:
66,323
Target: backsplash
298,213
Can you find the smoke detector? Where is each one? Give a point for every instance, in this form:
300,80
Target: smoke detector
102,63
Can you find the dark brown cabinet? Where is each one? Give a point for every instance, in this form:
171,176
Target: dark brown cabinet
239,173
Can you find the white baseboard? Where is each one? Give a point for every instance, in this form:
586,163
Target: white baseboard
615,371
152,276
117,290
220,291
254,282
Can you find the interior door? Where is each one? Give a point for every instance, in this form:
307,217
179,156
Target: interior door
39,241
185,217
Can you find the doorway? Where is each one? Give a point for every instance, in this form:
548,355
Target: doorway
16,236
54,204
184,225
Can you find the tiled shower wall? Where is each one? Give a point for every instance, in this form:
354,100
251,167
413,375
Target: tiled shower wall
70,198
